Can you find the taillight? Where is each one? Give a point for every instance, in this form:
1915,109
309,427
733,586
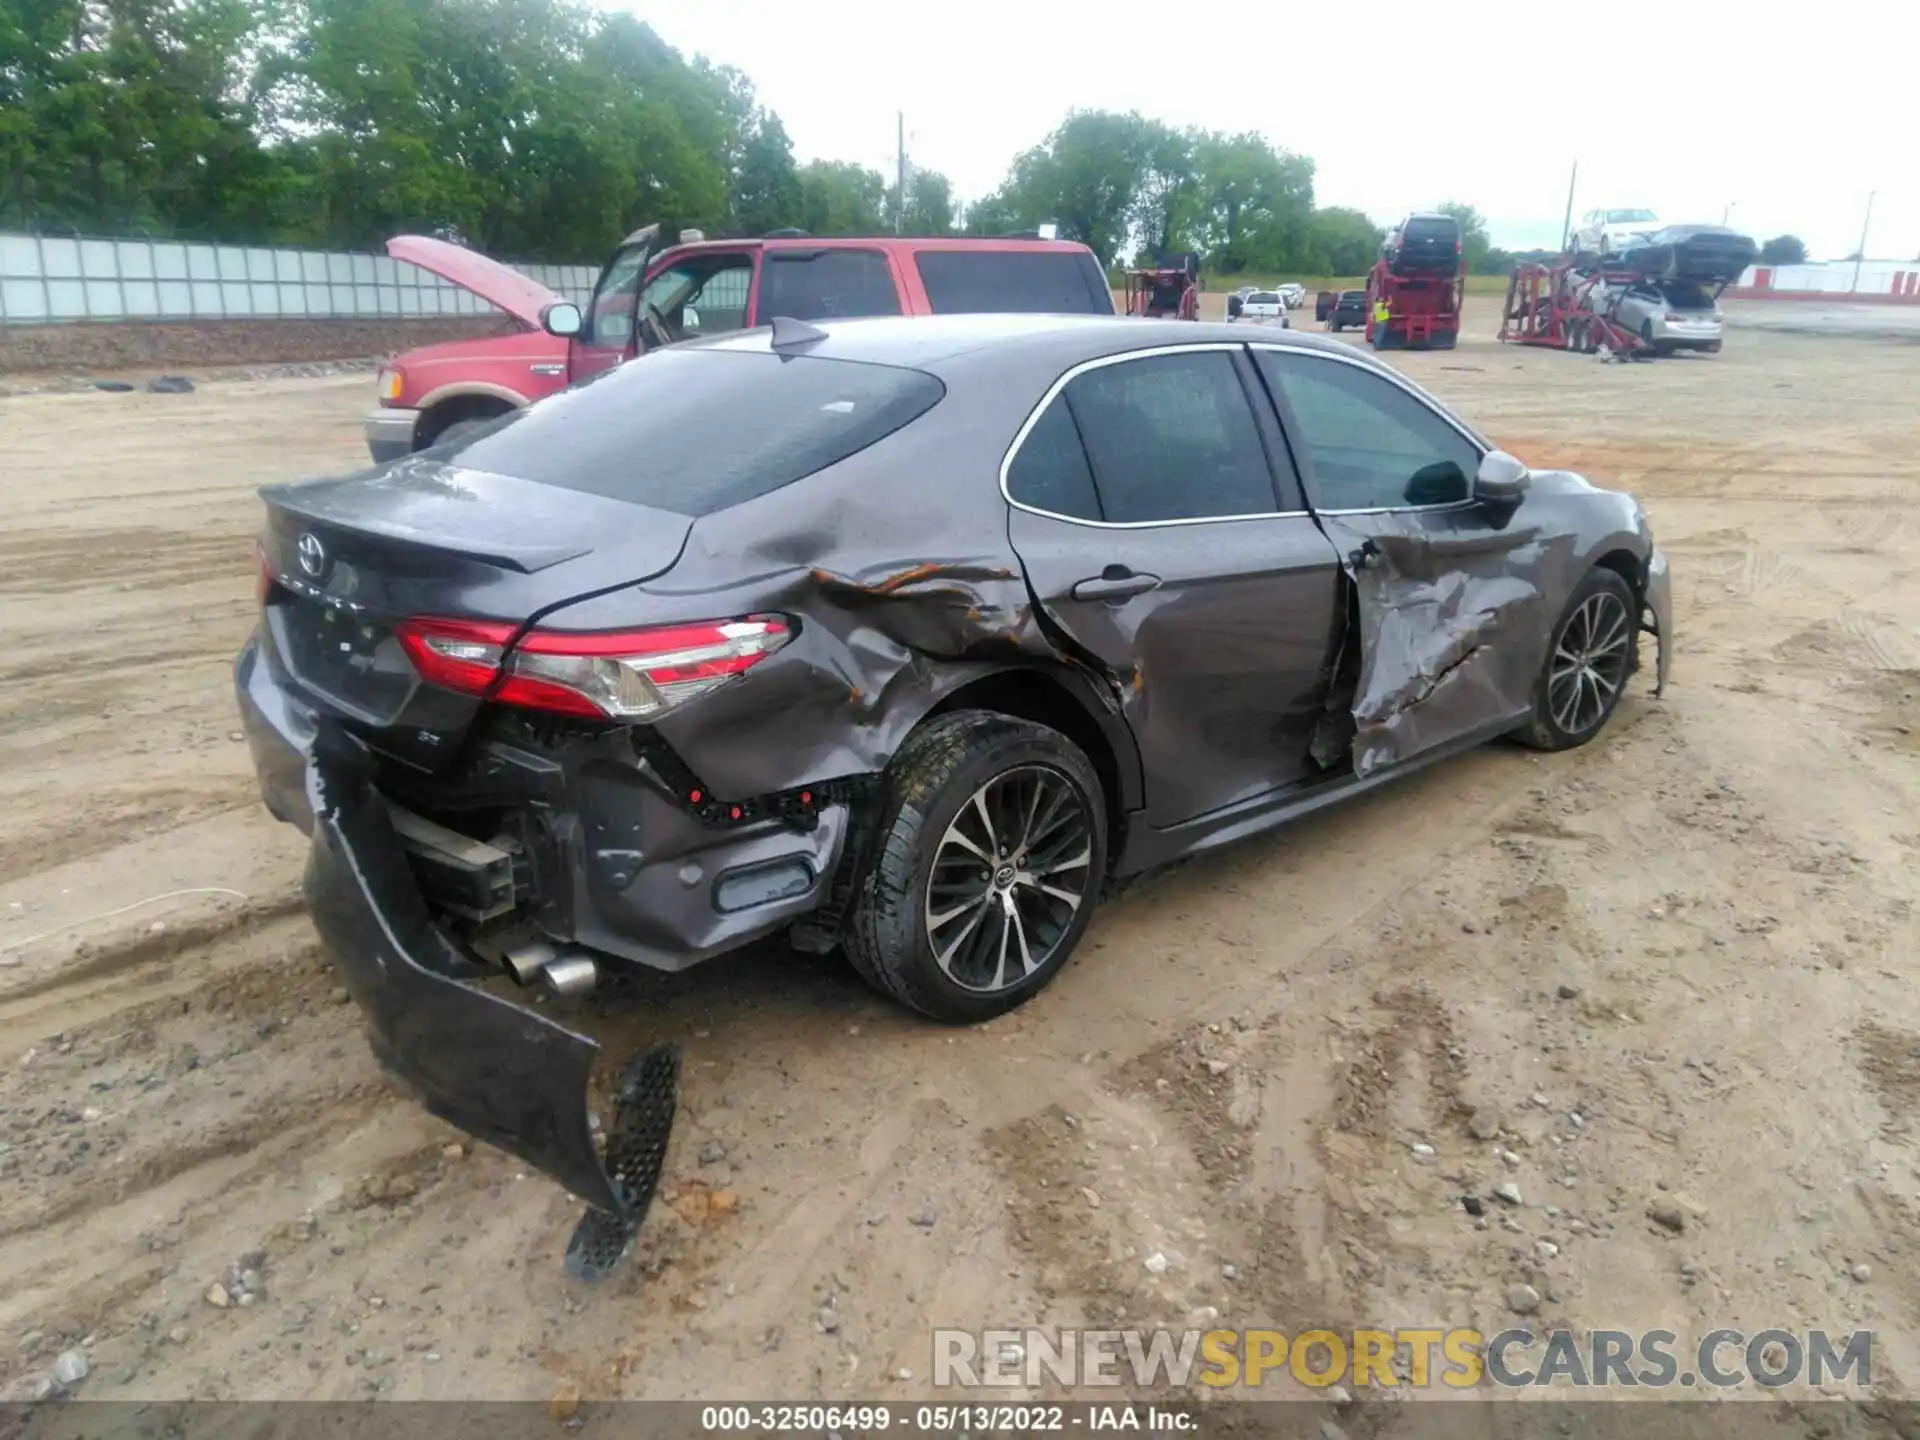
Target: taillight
606,675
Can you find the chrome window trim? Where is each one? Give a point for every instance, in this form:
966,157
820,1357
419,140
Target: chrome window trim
1475,441
1100,362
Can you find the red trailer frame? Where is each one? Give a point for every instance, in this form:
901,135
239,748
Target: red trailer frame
1148,291
1552,305
1423,306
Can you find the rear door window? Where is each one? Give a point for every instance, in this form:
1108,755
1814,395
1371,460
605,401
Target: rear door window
1050,470
1171,437
697,430
826,285
972,282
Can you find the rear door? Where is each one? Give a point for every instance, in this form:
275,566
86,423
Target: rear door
1452,625
1162,530
839,282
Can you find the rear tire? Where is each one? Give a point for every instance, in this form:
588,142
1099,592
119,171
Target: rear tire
961,941
1594,646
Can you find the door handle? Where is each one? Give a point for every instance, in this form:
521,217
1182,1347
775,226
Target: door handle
1115,584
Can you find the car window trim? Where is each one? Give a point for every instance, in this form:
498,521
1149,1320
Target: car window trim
1230,347
1310,480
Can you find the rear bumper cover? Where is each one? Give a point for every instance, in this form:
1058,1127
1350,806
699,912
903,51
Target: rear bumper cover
493,1068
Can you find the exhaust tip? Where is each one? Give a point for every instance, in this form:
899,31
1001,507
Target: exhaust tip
571,975
525,962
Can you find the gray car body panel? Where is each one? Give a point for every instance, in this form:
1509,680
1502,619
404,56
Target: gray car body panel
904,601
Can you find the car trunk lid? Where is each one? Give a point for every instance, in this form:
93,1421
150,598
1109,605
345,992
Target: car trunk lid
350,559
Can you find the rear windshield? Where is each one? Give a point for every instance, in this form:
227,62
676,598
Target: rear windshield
1352,297
695,431
1263,297
1628,217
1685,295
826,285
1431,227
1037,282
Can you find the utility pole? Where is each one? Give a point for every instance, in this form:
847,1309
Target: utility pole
1861,254
900,205
1566,225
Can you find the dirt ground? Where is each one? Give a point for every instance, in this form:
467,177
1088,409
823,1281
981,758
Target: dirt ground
1695,935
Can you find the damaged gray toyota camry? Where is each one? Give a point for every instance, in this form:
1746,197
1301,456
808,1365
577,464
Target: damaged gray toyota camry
906,637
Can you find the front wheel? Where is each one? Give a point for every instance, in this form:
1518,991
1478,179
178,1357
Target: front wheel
1592,653
990,857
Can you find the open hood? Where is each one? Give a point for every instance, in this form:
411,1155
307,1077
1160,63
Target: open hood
521,296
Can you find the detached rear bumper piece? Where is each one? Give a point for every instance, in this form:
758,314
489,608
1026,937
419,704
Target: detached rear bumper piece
503,1073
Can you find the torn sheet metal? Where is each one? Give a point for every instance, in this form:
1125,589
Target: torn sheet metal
1453,629
498,1070
1659,618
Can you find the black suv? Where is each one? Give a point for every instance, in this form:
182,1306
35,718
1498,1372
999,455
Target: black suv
1349,309
1425,241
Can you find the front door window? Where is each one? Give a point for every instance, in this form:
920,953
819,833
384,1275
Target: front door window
610,317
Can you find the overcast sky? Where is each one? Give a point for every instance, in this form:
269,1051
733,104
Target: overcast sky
1790,120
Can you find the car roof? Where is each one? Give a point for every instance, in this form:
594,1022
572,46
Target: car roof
884,243
941,343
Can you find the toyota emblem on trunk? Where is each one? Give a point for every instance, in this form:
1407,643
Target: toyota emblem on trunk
313,555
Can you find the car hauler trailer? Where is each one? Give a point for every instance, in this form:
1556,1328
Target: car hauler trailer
1587,303
1423,307
1566,306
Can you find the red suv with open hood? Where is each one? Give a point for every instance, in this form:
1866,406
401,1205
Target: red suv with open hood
647,297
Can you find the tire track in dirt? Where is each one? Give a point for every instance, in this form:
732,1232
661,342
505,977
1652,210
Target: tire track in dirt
111,817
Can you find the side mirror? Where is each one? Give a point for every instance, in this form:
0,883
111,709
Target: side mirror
1501,480
562,318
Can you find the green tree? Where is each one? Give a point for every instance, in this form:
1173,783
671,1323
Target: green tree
120,115
1085,177
1474,241
1784,250
1167,204
929,208
994,214
766,184
1257,201
838,197
1341,242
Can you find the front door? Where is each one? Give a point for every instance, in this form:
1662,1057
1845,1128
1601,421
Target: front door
1452,627
1162,529
611,322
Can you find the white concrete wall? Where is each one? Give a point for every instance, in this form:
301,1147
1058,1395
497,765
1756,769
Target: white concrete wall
55,279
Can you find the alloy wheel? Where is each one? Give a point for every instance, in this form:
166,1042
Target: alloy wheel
1589,663
1009,875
